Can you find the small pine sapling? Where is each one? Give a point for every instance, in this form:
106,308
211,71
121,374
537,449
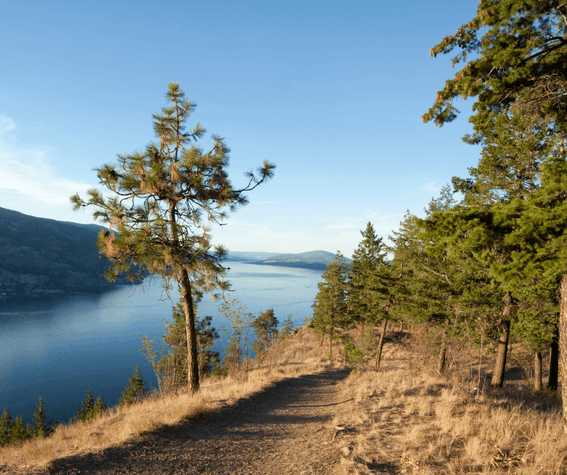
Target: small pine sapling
135,391
5,424
41,428
19,432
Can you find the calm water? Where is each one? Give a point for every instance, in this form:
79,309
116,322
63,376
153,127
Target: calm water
57,348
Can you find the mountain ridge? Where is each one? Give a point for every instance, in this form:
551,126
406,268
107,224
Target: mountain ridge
41,256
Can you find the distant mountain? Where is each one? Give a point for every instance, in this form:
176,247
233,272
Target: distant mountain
40,256
317,260
249,256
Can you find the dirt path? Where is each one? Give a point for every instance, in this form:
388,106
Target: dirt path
283,429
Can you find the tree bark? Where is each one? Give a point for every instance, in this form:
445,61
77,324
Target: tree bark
563,345
441,362
381,345
500,366
554,361
538,384
192,355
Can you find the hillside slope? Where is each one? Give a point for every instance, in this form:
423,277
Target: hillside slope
41,256
317,260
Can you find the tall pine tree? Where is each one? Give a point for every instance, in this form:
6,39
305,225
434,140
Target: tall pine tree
162,198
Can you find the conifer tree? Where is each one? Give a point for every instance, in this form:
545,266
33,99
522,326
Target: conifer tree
518,50
18,431
175,337
266,330
91,408
370,295
367,294
5,425
330,309
518,78
41,429
84,413
135,391
162,199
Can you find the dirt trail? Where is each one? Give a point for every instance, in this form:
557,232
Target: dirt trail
283,429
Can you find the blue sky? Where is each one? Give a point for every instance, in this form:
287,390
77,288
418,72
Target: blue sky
332,92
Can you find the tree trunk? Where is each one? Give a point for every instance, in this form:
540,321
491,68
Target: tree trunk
554,361
381,345
500,366
401,326
441,362
563,345
538,385
192,355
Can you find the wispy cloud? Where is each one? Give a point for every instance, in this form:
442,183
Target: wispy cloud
27,176
6,124
432,187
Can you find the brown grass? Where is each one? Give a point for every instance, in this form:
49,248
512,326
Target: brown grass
401,419
405,419
299,354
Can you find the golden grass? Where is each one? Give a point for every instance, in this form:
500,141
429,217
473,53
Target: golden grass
301,353
413,421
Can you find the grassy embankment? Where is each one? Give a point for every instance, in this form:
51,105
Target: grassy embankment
120,424
401,419
407,419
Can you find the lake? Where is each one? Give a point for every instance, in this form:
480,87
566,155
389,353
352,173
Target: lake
56,348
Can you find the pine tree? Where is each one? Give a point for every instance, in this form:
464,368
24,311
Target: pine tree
368,294
98,408
518,78
266,329
5,424
18,431
155,216
41,429
330,309
84,414
135,391
91,408
517,64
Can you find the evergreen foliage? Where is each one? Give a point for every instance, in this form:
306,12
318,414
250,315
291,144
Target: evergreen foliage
171,365
18,431
266,330
135,391
369,276
91,408
330,309
41,422
162,198
5,425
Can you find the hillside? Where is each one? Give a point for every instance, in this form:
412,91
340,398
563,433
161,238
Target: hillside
42,256
293,412
317,260
249,257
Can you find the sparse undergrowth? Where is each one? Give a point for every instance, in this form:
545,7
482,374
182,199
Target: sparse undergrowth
405,419
402,419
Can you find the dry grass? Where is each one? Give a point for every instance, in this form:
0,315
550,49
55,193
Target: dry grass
401,419
404,419
299,354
